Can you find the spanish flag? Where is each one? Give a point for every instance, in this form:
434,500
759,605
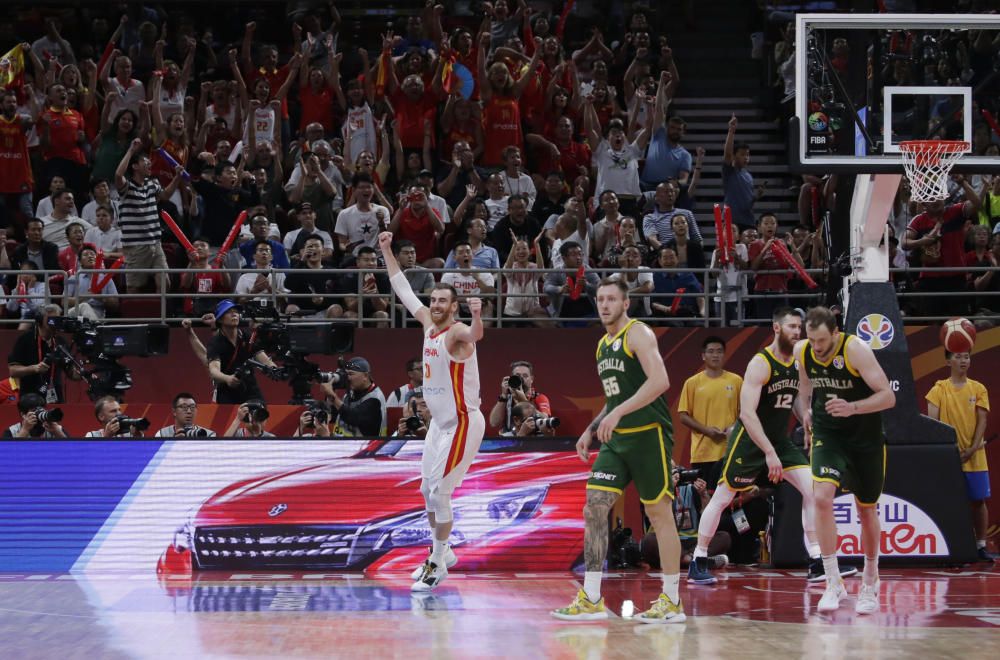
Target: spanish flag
382,74
448,78
12,68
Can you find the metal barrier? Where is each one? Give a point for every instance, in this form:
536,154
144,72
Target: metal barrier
710,299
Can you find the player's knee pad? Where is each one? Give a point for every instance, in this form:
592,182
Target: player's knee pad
425,490
441,506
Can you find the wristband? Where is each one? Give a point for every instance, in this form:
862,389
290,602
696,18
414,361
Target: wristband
503,399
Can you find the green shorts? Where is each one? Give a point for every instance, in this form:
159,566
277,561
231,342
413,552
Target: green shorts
642,455
856,465
745,461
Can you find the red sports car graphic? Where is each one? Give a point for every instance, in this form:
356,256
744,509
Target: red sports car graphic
516,510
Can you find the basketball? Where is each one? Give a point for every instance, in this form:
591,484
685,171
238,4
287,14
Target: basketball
958,335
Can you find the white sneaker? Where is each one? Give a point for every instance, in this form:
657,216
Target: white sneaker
834,593
867,599
450,559
431,577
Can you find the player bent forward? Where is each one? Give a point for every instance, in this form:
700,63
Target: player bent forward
637,438
844,390
759,441
451,392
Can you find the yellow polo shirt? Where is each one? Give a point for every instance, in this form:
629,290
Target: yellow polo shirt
958,409
712,402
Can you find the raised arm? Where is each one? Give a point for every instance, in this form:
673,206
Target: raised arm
293,64
525,80
122,170
400,285
727,149
246,58
485,88
473,332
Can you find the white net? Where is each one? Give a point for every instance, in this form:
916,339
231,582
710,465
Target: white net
927,164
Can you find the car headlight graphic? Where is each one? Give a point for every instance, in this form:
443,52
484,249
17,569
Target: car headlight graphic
477,515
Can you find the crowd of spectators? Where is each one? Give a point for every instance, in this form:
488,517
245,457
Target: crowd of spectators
521,139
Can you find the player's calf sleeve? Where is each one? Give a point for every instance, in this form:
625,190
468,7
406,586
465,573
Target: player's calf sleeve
712,514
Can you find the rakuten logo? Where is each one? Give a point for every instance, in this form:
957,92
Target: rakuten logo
906,529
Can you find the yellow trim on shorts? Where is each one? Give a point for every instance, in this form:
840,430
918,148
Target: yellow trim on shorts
847,362
637,429
725,468
795,467
605,488
667,477
826,481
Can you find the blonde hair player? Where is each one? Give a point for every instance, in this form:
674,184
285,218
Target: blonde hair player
637,437
451,392
843,392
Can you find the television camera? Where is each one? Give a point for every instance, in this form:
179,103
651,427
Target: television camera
95,349
290,343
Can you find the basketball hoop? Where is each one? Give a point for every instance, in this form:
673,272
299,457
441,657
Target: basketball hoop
927,164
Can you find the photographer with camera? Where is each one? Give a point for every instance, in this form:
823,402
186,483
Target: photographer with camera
314,421
36,362
36,421
518,387
184,408
416,417
249,421
526,421
114,424
361,411
227,353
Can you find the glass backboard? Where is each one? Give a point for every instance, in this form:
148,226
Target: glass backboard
866,82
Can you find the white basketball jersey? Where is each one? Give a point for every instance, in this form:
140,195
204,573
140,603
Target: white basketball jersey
451,387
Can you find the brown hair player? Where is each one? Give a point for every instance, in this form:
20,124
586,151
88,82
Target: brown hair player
843,390
451,392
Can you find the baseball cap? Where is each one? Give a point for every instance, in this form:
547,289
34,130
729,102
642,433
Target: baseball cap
223,307
424,173
306,206
358,364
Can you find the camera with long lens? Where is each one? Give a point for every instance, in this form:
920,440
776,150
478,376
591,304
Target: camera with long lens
543,423
45,416
687,476
413,423
515,382
257,412
290,343
132,423
192,432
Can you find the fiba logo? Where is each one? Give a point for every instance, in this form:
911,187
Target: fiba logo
818,121
876,331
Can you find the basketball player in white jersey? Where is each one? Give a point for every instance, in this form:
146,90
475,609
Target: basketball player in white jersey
451,391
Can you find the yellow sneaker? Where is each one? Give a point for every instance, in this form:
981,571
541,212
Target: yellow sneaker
663,610
582,609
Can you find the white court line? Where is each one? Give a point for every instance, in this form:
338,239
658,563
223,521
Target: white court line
71,616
